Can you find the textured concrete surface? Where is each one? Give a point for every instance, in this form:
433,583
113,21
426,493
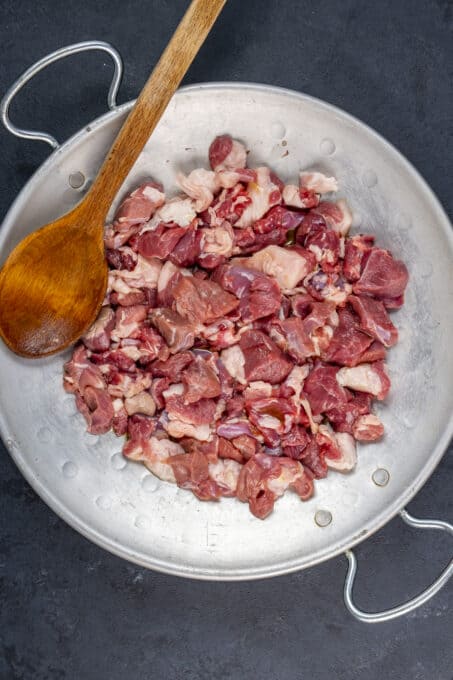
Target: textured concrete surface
70,611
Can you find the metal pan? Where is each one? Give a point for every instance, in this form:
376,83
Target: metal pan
126,510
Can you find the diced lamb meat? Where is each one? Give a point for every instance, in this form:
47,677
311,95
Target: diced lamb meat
140,205
287,266
262,358
382,276
264,193
368,428
226,153
370,378
285,317
356,250
374,319
323,389
179,334
97,337
201,380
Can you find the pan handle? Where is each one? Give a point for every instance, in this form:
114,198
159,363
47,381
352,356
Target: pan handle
43,63
417,601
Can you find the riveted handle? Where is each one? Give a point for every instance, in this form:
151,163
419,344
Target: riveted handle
42,64
406,607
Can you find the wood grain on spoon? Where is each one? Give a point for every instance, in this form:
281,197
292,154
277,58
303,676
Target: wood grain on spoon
53,283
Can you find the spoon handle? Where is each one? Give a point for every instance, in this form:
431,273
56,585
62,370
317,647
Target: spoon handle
152,101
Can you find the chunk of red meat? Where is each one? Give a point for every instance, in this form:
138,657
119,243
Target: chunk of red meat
97,408
220,148
80,364
322,389
297,342
248,446
191,471
382,276
280,218
165,296
173,367
356,251
140,205
151,345
158,386
136,297
263,359
367,428
97,338
140,428
259,295
187,249
201,381
374,319
295,442
325,244
235,406
202,301
228,450
117,359
120,259
208,449
310,221
128,321
160,242
179,334
348,342
314,459
199,413
244,239
120,418
344,416
272,417
375,352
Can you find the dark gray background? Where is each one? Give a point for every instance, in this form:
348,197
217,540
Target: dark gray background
71,611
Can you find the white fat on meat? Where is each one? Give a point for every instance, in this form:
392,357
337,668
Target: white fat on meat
218,240
200,185
144,275
288,475
179,210
140,403
317,182
233,359
295,380
167,271
286,266
237,158
340,218
363,378
263,193
314,426
291,196
348,453
176,390
158,452
225,472
179,429
257,389
128,386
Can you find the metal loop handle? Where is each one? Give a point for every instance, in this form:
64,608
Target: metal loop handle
42,64
417,601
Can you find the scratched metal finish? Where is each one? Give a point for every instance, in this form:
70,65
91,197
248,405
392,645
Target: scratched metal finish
122,507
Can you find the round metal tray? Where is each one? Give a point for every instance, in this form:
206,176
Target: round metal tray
120,506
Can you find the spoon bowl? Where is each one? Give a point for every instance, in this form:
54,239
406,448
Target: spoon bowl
53,283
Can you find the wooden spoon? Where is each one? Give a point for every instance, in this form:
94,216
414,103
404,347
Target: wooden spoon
53,283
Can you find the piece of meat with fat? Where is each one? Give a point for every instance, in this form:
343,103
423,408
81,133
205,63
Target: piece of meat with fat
337,215
348,453
155,453
382,276
356,250
179,334
368,428
160,242
202,301
128,321
264,193
272,416
97,337
370,378
329,286
200,412
348,342
345,415
259,295
374,319
226,153
173,367
201,380
323,390
288,266
140,205
201,185
97,408
265,478
263,360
